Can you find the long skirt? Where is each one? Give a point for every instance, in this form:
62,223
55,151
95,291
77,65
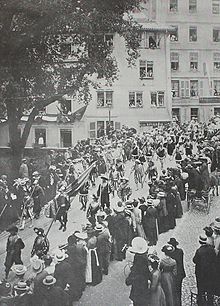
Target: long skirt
93,269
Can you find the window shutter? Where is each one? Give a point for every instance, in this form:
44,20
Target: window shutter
182,89
201,88
187,91
117,125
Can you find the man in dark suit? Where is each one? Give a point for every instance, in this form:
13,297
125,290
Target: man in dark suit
178,255
204,260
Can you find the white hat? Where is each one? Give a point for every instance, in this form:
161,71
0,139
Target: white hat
60,256
36,264
138,245
81,235
118,208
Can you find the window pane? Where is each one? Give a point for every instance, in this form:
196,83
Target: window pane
193,88
192,34
216,7
216,87
175,88
100,128
131,99
139,99
194,60
92,134
173,5
150,69
40,137
192,6
174,58
194,113
92,126
66,138
160,98
174,34
153,98
217,111
108,98
100,99
216,61
216,35
142,69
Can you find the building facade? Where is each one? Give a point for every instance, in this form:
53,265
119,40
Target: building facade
194,56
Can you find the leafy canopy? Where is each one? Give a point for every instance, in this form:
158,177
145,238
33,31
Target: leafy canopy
35,41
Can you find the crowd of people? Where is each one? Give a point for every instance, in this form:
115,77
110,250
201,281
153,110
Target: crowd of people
117,223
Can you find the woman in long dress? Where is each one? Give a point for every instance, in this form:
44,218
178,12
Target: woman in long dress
157,296
168,270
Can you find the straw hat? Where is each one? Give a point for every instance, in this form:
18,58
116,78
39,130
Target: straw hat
21,286
161,194
217,224
36,264
60,256
138,246
202,239
81,235
19,269
99,228
49,280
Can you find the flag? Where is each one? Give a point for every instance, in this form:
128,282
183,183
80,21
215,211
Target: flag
74,187
78,114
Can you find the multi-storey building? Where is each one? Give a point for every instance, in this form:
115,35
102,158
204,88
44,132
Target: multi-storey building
140,98
194,56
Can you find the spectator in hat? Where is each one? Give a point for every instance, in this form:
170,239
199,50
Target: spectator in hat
216,228
14,246
62,271
138,218
149,221
54,294
23,170
41,244
103,247
168,270
22,295
139,277
103,192
37,266
178,256
204,261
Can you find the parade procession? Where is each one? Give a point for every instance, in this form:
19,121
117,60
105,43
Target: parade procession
109,153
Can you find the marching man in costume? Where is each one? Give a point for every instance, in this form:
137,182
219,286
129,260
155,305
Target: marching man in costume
63,203
41,244
103,192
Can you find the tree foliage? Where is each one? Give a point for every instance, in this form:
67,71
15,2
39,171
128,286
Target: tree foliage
35,41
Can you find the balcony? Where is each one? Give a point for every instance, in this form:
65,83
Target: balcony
209,100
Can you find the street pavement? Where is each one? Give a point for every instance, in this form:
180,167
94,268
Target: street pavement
113,291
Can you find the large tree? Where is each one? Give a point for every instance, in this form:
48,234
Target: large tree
35,39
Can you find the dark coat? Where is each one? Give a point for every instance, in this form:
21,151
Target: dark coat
204,260
149,222
62,273
13,248
171,209
178,254
56,296
104,192
138,279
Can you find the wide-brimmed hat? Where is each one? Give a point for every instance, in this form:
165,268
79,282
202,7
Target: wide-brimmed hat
138,246
21,286
99,228
19,269
49,280
13,229
137,161
173,242
202,239
150,202
167,249
81,235
129,205
104,177
161,194
60,256
37,264
216,225
39,230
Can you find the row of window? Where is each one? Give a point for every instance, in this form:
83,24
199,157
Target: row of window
194,113
193,6
194,61
174,36
135,99
192,88
101,128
